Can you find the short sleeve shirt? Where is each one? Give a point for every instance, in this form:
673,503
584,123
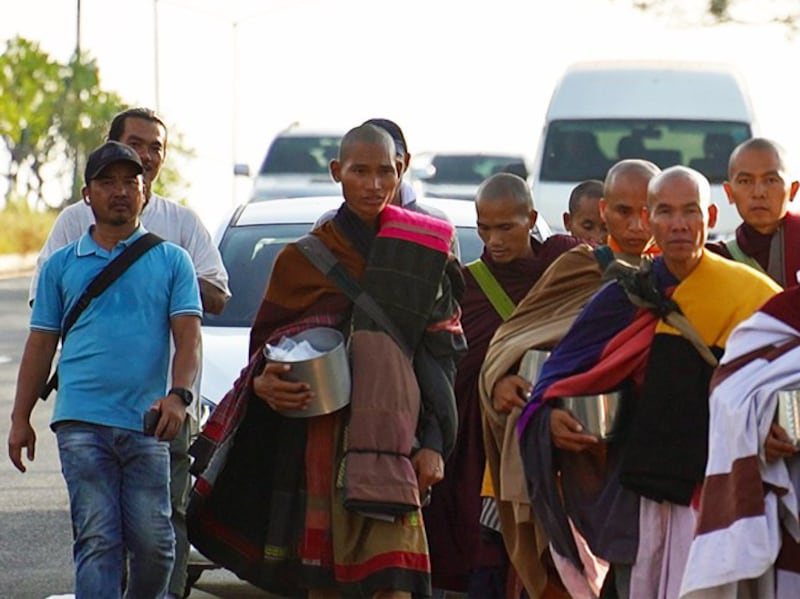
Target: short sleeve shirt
115,359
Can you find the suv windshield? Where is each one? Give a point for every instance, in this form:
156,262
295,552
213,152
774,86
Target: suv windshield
585,149
295,154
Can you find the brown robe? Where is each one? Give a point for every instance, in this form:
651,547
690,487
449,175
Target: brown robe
539,322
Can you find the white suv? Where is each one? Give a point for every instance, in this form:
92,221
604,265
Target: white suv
296,165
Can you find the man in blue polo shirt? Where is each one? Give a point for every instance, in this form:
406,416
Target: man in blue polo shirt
113,369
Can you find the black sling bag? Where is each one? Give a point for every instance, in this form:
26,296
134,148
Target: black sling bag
99,284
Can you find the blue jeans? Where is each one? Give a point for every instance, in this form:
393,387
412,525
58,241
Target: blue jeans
118,484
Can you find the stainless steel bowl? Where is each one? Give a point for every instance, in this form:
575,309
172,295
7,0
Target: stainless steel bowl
788,413
599,414
328,375
531,364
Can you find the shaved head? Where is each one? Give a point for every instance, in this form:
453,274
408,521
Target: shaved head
760,144
365,134
634,168
504,208
680,214
592,188
679,173
624,203
505,186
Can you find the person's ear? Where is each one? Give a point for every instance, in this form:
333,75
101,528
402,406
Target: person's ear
85,194
793,190
532,216
713,213
602,205
567,218
406,162
336,170
728,192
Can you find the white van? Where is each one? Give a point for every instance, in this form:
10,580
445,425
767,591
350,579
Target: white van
667,112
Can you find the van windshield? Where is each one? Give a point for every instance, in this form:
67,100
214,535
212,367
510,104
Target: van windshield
576,150
296,154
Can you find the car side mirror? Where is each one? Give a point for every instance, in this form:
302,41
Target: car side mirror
241,170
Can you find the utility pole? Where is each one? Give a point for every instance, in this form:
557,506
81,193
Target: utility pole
78,30
76,172
155,57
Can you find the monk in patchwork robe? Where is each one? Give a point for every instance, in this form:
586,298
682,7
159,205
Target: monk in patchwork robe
539,321
330,505
512,261
654,334
748,525
760,186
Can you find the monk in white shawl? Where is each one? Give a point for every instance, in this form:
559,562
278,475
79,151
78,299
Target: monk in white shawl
746,543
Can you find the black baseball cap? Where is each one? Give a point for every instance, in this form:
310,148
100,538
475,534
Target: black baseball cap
394,130
111,151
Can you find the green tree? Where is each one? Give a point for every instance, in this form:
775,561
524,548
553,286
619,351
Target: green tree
85,115
742,11
29,93
51,116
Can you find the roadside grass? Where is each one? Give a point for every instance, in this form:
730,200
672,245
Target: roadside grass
24,231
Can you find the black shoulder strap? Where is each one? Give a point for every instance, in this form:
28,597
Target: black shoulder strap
108,275
320,256
98,285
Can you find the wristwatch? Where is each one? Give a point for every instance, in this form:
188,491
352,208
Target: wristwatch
185,394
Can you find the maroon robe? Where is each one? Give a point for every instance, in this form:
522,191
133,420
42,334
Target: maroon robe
757,246
452,518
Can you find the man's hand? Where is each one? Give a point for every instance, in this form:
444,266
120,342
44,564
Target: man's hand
566,432
34,368
212,297
777,444
278,393
21,435
510,392
173,413
429,466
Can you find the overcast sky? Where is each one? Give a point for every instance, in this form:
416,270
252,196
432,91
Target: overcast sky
455,74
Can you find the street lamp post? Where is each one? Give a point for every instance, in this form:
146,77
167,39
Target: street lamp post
156,71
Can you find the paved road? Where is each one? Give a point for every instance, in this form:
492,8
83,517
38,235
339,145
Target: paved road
35,536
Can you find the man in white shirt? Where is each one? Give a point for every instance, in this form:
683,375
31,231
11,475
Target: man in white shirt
146,133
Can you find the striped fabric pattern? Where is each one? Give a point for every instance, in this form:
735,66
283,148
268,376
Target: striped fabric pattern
489,516
748,504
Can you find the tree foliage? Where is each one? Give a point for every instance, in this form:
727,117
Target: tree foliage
51,116
29,88
784,12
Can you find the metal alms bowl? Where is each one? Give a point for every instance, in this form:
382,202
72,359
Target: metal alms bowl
599,414
530,366
328,375
788,413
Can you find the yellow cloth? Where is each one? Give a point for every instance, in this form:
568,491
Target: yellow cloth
487,488
726,278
